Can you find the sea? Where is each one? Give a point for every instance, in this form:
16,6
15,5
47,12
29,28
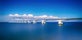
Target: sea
38,31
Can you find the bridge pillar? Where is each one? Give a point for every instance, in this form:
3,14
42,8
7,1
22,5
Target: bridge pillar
34,21
43,21
29,21
60,22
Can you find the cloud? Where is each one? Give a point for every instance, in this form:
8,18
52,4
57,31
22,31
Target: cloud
25,17
30,15
11,15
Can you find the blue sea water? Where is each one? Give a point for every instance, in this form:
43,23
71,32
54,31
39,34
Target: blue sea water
38,31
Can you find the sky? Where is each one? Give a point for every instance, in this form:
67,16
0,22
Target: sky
60,8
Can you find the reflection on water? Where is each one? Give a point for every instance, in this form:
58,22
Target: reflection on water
38,31
60,24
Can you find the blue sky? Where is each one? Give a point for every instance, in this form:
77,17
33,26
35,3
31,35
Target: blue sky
61,8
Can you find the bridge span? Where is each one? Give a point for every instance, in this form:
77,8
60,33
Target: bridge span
16,18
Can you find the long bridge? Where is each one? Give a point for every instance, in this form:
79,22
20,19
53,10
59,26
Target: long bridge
16,18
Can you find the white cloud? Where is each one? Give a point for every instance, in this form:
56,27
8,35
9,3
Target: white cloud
11,15
43,16
30,15
16,15
52,17
24,15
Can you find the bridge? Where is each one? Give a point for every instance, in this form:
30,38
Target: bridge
16,18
